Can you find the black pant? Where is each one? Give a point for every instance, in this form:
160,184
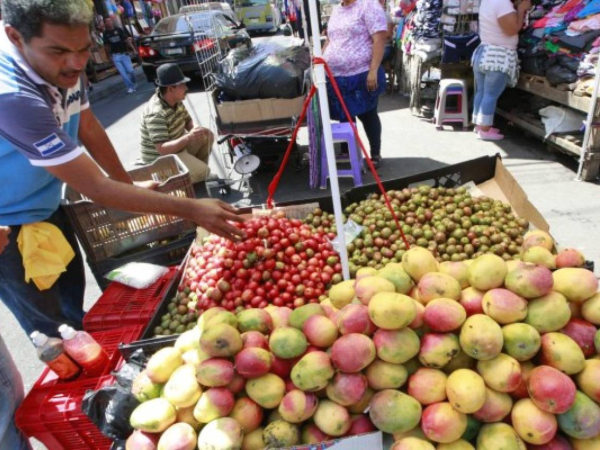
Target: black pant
372,125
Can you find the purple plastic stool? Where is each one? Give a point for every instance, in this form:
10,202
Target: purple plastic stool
342,132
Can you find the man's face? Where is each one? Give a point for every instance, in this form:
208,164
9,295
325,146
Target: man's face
180,92
109,24
59,55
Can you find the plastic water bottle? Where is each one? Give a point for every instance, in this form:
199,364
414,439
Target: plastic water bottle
52,353
84,349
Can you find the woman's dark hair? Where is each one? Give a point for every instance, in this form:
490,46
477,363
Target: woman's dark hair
28,16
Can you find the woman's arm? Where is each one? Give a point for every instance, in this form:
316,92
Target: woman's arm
512,23
379,40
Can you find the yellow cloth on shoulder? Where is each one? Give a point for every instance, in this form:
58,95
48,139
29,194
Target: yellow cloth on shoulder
46,253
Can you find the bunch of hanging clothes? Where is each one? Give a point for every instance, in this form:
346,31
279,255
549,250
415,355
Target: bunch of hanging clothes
562,41
420,34
427,19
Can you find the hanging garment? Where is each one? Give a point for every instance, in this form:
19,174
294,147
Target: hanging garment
459,48
498,59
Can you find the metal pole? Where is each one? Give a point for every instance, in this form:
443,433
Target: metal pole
320,82
588,124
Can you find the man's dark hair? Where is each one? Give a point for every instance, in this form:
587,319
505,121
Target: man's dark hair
163,89
28,16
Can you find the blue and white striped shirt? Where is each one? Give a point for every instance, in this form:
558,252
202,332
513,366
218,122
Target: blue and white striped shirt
38,128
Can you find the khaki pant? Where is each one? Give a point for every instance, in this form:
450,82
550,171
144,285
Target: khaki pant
195,157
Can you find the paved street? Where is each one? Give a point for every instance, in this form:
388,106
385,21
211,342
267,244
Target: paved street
410,145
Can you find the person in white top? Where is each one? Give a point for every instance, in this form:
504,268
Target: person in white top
495,62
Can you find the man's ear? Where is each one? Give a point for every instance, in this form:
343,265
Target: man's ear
15,37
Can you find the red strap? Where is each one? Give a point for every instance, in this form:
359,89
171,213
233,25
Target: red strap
277,178
273,185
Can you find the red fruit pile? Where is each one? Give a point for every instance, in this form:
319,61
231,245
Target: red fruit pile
281,262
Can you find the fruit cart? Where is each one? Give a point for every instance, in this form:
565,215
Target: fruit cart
487,338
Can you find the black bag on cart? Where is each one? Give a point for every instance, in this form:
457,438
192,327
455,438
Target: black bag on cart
263,71
110,407
558,74
535,64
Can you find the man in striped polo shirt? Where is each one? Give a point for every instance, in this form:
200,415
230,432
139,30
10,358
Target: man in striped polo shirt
167,127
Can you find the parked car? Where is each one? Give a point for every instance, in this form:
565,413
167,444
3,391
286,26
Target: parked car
259,15
183,38
210,6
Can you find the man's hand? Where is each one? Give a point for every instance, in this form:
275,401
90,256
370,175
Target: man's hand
372,80
148,184
198,133
215,215
4,232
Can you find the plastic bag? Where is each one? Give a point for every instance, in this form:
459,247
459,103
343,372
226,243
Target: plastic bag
558,74
263,71
137,275
110,407
536,64
351,231
560,120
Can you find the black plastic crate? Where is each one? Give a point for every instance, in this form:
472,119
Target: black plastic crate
150,346
169,254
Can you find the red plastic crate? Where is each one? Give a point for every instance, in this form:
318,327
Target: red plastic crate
51,411
53,416
121,305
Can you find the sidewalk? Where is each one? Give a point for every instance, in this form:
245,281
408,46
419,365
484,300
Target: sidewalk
112,85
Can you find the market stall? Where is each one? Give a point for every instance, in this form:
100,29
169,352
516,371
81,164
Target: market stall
487,322
429,310
559,55
435,41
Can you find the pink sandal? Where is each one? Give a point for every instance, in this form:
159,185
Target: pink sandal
478,128
490,135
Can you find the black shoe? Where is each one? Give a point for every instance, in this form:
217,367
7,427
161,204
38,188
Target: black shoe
376,160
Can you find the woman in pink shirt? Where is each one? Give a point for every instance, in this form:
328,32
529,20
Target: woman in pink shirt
495,61
356,37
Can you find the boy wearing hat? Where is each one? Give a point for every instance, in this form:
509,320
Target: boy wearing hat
167,128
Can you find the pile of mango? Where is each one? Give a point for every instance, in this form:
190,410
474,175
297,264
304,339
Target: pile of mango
482,354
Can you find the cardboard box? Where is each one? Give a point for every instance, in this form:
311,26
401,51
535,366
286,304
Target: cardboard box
504,187
258,110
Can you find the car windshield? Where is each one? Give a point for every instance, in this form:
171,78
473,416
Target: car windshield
179,24
247,3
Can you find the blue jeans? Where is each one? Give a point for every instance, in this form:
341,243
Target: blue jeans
125,67
45,310
488,88
11,395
